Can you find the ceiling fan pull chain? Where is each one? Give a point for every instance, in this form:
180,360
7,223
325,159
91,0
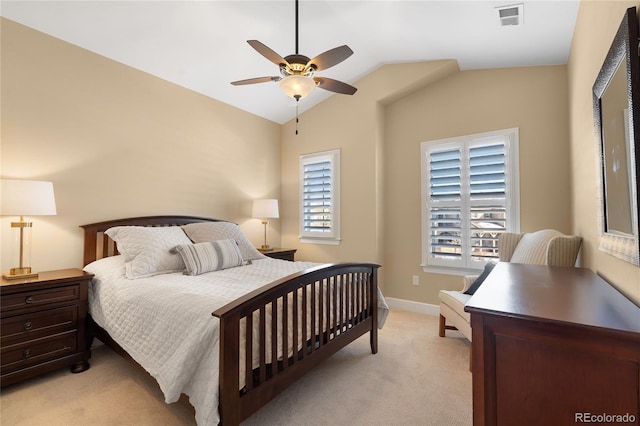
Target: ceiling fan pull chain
297,100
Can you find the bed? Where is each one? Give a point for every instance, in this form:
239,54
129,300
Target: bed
236,336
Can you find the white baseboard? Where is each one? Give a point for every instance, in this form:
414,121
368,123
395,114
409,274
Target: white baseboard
411,306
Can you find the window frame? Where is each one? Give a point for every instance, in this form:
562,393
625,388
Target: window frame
332,237
466,264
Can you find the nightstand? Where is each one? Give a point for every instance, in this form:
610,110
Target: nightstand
42,324
280,253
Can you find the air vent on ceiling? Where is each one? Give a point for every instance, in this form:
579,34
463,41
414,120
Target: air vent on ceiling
511,15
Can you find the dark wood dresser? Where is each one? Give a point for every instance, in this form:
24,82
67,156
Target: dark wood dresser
553,346
42,324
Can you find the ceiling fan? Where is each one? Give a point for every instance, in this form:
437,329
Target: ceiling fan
297,72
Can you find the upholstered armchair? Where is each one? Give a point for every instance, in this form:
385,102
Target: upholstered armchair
546,247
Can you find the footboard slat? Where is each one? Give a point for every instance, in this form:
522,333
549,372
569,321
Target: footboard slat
335,322
263,344
248,353
273,337
321,308
284,332
294,342
291,325
312,330
305,335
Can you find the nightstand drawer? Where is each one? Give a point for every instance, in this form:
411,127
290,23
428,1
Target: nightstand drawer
29,326
40,297
38,350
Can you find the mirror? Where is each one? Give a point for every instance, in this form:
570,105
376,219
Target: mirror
617,117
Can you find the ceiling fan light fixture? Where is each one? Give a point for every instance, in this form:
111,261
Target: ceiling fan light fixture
297,86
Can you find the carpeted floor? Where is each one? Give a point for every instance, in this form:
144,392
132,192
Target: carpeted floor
417,378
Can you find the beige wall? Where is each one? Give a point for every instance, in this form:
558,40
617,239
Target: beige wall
117,142
380,135
532,99
595,29
353,125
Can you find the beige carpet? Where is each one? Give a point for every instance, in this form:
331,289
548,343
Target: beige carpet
417,378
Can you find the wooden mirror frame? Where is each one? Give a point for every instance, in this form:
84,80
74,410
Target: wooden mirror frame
621,244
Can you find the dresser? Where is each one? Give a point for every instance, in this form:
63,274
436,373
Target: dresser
553,346
42,324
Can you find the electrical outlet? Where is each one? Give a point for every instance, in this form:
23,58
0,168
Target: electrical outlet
416,280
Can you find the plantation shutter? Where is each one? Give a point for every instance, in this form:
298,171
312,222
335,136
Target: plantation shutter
320,197
445,214
487,188
468,198
317,201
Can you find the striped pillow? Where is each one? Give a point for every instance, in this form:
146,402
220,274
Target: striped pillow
210,256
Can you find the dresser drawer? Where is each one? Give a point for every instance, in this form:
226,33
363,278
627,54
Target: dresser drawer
39,297
39,350
35,324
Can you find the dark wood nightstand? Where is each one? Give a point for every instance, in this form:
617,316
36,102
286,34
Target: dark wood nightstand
280,253
43,324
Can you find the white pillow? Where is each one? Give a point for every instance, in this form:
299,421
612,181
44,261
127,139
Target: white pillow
107,266
214,231
211,256
146,250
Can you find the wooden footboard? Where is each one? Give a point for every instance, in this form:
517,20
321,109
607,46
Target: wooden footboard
339,303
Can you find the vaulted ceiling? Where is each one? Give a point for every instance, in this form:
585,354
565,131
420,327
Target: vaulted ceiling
201,45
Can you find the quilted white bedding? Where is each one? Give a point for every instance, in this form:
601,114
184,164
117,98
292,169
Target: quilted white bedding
164,322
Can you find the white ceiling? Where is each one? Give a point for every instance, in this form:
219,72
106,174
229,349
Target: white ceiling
201,45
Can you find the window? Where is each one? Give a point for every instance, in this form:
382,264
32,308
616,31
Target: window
320,197
469,196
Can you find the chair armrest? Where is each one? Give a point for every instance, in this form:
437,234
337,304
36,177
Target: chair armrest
468,280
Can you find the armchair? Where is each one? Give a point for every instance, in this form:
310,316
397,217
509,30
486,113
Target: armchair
545,247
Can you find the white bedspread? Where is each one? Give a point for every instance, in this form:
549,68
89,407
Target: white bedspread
165,322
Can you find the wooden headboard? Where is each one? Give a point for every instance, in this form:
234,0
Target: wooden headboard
98,245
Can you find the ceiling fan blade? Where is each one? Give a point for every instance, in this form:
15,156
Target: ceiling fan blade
334,85
267,52
255,80
331,57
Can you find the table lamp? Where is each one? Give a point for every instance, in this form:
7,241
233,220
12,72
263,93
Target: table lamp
265,209
25,198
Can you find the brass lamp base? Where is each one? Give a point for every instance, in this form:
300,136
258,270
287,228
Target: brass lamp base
19,273
265,247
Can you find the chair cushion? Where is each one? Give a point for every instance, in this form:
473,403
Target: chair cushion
456,301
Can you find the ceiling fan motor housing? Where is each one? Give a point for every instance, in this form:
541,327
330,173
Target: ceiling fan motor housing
297,65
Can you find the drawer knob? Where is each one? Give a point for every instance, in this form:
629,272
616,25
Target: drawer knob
28,325
28,300
26,353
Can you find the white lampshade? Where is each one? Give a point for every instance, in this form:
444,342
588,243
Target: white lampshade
27,198
297,85
265,209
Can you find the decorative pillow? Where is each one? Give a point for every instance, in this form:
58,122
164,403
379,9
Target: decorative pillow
146,249
478,281
210,256
533,246
213,231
